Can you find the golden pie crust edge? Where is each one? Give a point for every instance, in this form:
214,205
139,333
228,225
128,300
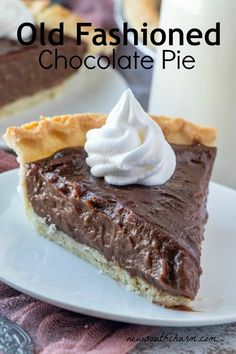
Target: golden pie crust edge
39,139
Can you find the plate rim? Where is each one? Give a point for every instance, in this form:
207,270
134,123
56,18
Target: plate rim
164,322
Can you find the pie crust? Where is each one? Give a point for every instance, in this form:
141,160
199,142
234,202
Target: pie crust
42,138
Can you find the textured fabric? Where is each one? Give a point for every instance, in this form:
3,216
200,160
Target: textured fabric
57,331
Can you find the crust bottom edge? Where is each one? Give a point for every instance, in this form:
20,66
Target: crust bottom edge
29,101
92,256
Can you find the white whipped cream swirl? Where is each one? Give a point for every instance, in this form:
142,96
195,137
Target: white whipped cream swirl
12,14
130,148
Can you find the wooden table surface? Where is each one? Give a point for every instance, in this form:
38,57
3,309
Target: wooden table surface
209,340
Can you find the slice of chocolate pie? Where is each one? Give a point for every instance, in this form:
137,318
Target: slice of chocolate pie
26,76
141,230
23,81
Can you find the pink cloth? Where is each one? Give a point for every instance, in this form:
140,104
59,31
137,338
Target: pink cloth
57,331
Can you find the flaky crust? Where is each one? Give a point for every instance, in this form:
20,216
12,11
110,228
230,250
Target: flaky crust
42,138
52,15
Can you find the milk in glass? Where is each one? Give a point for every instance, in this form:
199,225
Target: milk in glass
206,94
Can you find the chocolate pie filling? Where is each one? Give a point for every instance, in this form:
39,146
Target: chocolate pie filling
154,233
21,74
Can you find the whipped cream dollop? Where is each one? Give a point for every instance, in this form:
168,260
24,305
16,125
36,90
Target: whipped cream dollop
12,14
130,148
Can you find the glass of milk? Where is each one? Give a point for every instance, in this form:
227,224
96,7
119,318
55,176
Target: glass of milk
206,94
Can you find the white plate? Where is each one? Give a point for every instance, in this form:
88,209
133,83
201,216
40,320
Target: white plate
88,91
42,269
